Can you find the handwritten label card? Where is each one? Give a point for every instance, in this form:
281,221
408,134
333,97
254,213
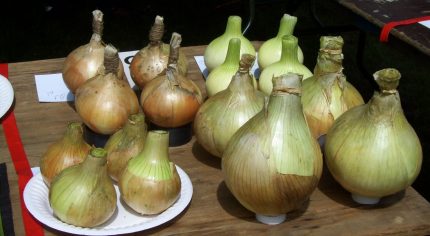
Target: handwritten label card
51,87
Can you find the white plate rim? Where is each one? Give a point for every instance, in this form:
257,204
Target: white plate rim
180,205
7,97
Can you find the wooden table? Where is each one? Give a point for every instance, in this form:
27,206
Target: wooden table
380,12
213,209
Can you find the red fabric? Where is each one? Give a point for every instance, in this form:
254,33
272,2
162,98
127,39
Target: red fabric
383,37
20,162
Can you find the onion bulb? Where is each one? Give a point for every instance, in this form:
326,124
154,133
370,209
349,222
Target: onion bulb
220,77
272,164
224,113
171,100
150,183
84,62
216,51
327,94
289,62
84,195
270,50
372,150
70,150
105,102
152,60
125,144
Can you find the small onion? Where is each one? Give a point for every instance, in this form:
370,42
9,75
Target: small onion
171,100
327,94
150,183
272,164
125,144
270,51
371,149
84,62
225,112
152,60
105,102
216,51
70,150
288,63
84,195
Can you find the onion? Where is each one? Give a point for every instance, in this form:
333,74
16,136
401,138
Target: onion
125,144
270,51
327,94
83,195
216,51
288,63
171,100
105,102
70,150
84,62
225,112
272,164
152,60
372,150
150,183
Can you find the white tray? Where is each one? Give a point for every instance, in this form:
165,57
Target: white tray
6,95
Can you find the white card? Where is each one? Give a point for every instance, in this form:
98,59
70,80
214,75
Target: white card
426,23
51,87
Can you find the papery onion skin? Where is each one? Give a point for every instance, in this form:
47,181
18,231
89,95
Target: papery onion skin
125,144
270,50
70,150
372,150
272,164
150,183
327,94
288,63
216,51
224,113
171,100
85,61
105,102
84,195
152,60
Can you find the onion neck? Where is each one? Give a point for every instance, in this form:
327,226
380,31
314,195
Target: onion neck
95,161
74,133
97,22
157,31
134,124
233,52
289,50
234,26
286,26
330,55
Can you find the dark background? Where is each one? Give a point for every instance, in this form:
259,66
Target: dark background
51,29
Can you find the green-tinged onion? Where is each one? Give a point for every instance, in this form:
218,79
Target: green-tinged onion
272,163
216,51
327,94
288,63
225,112
125,144
219,78
70,150
150,183
84,195
152,60
270,50
372,150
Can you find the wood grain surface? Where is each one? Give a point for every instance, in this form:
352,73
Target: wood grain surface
213,209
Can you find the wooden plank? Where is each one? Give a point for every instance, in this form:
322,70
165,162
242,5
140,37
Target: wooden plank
213,209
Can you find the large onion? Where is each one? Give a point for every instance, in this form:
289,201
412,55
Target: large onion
84,62
225,112
105,102
372,150
272,163
152,60
171,100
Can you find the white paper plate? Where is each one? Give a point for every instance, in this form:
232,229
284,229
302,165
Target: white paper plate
124,220
6,95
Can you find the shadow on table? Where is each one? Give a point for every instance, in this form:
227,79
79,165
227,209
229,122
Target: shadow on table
233,207
205,157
